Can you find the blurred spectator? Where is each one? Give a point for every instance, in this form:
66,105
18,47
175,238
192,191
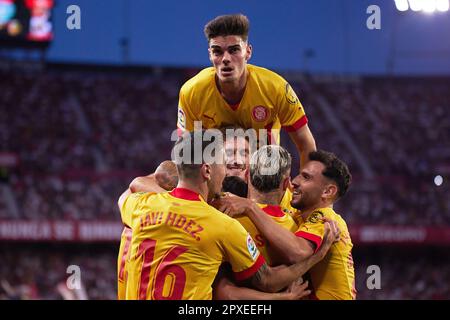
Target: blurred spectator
81,136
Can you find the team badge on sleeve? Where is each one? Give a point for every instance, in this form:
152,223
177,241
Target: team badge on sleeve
181,119
291,97
251,246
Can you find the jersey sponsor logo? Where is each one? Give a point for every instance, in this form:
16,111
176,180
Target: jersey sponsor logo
315,217
290,95
251,246
260,113
181,119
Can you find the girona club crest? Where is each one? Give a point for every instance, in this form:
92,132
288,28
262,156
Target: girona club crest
260,113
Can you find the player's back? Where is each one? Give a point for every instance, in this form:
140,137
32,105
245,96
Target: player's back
178,244
281,217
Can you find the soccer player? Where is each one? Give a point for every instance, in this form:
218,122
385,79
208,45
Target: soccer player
178,241
233,92
322,181
267,191
164,178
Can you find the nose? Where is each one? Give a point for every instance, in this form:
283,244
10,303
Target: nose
296,182
226,57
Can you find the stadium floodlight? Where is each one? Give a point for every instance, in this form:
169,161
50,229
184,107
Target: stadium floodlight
402,5
442,5
429,6
416,5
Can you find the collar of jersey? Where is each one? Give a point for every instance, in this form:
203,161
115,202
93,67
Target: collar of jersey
271,210
185,194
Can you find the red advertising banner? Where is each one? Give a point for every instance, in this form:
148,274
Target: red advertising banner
400,235
110,231
78,231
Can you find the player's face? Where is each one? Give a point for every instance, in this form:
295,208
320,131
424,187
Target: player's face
308,186
237,157
229,56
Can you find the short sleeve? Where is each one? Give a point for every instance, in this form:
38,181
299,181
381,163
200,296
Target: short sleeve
130,205
291,112
313,229
186,118
241,251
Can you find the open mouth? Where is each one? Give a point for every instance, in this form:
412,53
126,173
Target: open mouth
235,166
226,70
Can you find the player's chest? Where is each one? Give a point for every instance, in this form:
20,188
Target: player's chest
247,114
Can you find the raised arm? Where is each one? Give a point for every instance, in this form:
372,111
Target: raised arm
305,143
290,247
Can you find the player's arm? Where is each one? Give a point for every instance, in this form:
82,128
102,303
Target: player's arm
305,143
226,289
291,248
295,122
273,279
165,176
163,179
250,267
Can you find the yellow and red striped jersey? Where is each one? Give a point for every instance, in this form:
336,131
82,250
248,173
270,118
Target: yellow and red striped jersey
178,243
124,253
280,216
332,278
269,102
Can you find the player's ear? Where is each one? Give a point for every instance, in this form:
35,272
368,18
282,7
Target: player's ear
206,171
210,55
286,183
248,52
330,191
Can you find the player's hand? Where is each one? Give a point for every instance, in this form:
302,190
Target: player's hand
335,232
297,290
231,204
331,235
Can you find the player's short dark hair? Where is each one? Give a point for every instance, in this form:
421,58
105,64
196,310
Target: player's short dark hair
335,169
228,25
235,185
184,151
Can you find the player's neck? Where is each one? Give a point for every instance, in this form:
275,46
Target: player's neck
233,92
201,189
271,198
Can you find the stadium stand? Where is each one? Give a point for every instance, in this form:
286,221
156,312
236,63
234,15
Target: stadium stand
80,135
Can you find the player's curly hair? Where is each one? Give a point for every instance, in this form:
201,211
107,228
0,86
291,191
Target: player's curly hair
335,169
228,25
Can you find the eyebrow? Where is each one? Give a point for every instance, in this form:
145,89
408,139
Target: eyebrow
229,47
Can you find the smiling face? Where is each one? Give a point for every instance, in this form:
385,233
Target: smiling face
237,157
309,186
229,56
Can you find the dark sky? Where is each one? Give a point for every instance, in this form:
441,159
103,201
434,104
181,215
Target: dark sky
170,32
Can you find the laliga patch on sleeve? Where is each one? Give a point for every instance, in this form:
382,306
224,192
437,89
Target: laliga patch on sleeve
181,119
251,246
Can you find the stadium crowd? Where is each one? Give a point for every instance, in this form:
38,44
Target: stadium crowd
81,136
37,272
